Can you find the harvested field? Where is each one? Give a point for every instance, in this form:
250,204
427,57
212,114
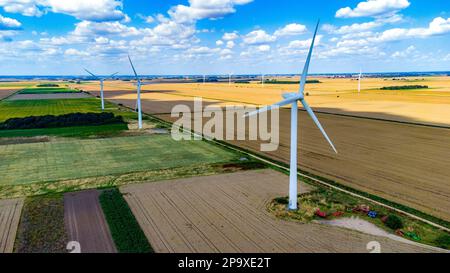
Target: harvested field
404,163
86,224
429,106
9,221
6,93
227,213
49,96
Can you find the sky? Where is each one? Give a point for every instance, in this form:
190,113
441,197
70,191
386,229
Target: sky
194,37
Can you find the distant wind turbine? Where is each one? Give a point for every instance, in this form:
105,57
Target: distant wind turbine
101,79
359,81
294,98
229,78
262,80
139,84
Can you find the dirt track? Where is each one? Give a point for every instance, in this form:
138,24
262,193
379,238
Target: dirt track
227,213
9,221
86,224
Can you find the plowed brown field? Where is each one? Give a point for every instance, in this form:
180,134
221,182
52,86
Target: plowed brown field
227,213
404,163
85,222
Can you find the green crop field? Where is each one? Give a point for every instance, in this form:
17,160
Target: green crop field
73,159
47,90
26,108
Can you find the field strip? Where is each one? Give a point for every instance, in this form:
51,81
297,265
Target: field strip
86,224
10,211
277,165
224,213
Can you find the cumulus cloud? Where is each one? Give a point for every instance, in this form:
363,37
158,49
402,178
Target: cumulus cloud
404,53
436,27
291,30
351,28
203,9
98,10
230,36
372,8
230,44
9,24
75,52
258,37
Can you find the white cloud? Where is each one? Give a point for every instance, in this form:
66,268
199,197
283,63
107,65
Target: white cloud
204,9
437,27
230,36
291,30
372,8
351,28
93,29
404,53
258,37
230,44
75,52
9,23
219,43
264,48
98,10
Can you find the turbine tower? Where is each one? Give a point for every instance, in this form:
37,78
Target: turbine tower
229,79
294,98
359,81
138,84
101,85
262,80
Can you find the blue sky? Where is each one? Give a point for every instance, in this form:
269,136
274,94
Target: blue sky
61,37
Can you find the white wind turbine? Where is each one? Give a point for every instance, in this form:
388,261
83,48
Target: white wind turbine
101,85
229,78
294,98
138,84
262,80
359,81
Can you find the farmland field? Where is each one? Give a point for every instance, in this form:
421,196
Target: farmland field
72,159
9,220
404,163
25,108
85,222
227,213
48,90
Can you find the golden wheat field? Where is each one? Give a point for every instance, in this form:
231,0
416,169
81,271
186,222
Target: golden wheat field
403,162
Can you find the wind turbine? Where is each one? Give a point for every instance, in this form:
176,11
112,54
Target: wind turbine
294,98
101,85
262,80
139,84
359,81
229,79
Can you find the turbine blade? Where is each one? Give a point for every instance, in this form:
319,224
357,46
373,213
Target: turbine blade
270,107
112,75
308,60
91,73
317,122
132,66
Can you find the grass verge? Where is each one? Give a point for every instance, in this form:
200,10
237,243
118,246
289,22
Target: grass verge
41,228
125,230
336,204
54,187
